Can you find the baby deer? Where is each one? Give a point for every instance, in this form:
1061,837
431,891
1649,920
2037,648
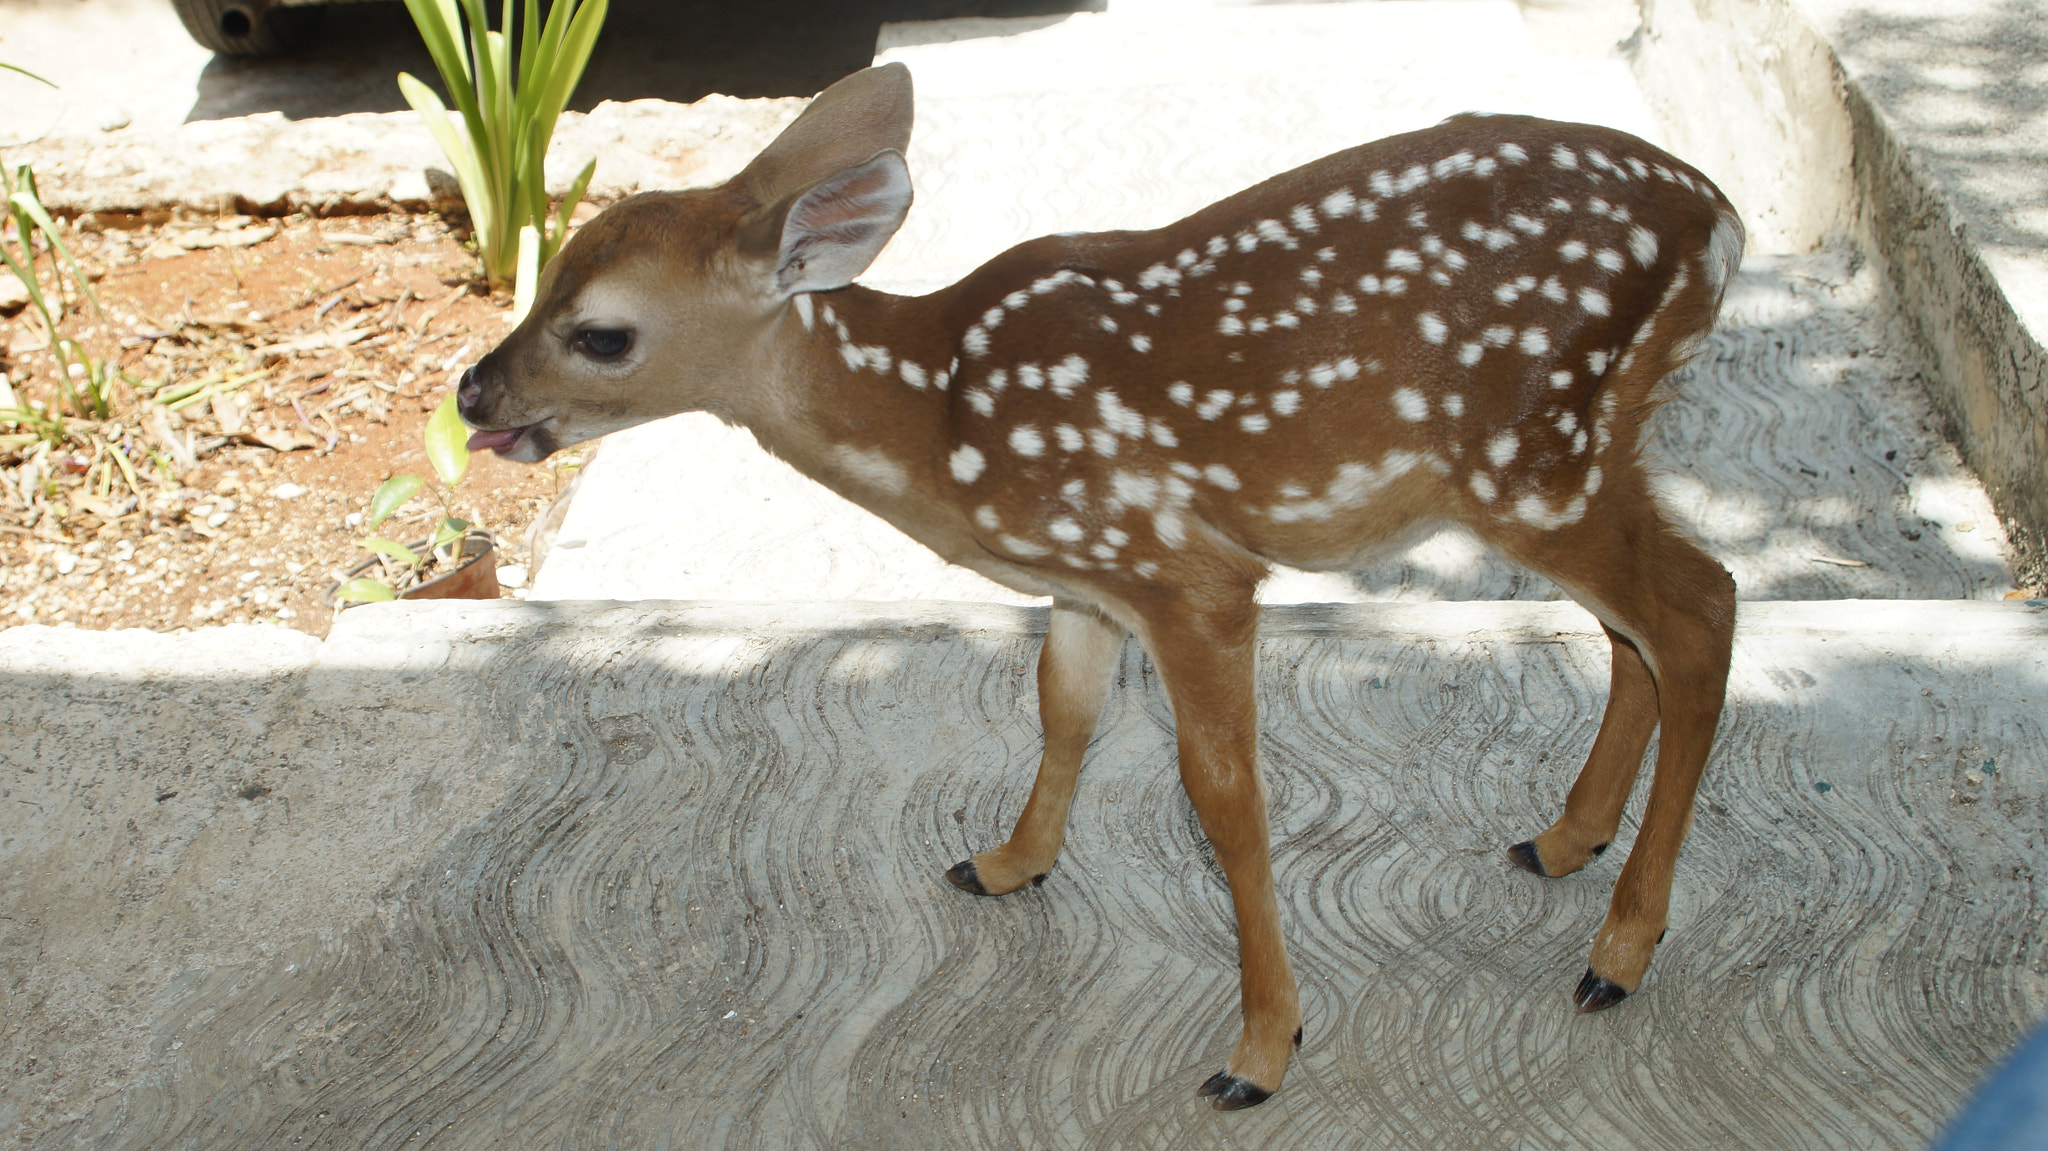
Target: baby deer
1466,324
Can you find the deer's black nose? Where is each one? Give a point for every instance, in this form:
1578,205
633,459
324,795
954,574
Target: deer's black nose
469,391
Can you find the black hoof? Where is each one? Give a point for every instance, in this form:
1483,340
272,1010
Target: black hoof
1232,1093
1596,994
1523,855
962,876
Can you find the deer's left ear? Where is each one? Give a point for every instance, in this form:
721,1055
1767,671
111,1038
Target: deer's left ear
823,236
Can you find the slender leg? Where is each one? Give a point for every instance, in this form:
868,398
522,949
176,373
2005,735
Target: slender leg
1690,646
1208,665
1674,608
1592,811
1074,669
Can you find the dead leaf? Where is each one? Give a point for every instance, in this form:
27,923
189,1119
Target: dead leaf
231,411
279,439
213,238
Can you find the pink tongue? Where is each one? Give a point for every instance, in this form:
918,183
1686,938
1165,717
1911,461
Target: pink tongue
478,441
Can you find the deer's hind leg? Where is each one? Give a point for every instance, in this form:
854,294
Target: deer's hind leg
1592,810
1074,669
1670,613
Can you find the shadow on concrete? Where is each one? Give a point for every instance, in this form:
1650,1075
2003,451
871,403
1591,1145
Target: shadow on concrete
1970,101
680,51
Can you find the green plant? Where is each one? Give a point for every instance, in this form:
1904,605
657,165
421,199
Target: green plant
32,229
508,110
446,440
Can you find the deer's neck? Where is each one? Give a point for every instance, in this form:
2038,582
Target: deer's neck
858,399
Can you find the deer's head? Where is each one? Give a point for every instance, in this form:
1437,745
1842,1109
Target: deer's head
666,302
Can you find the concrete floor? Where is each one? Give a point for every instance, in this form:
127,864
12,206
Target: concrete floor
661,875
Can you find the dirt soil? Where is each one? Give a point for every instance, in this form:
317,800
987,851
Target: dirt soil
244,504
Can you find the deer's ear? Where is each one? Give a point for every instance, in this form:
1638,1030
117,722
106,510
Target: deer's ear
820,238
866,113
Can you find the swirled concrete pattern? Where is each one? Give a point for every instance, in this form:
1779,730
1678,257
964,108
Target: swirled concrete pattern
656,875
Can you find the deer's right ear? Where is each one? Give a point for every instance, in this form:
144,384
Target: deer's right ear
823,236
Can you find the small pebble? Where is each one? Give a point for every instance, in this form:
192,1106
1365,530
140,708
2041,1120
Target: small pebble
512,575
114,117
287,491
66,563
216,519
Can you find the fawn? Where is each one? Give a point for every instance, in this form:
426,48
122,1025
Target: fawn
1465,324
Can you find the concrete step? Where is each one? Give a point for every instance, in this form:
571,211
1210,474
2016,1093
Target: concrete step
661,874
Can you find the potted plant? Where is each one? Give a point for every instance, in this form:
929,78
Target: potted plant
458,561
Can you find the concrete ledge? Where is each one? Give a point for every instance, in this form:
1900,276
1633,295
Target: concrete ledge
1898,126
369,162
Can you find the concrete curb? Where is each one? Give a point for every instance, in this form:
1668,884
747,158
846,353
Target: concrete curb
374,162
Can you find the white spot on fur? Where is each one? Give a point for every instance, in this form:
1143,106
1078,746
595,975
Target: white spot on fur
1027,441
1564,157
967,463
1180,393
1433,327
912,374
1642,243
1069,437
1502,448
985,515
874,467
1609,259
1158,276
1116,417
1410,405
1513,153
1230,325
1403,260
1221,476
1482,486
1065,530
1339,203
1255,422
1593,300
1215,404
1068,375
981,402
1141,342
1454,405
1468,354
805,310
1129,489
1286,403
1572,251
1560,379
1534,341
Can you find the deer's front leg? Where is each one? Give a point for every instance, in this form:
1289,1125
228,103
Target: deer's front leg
1074,669
1209,670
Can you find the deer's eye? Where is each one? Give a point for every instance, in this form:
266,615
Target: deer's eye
603,343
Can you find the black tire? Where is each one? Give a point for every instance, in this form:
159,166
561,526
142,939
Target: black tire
247,27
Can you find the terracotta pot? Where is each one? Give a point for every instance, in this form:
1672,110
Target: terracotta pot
475,578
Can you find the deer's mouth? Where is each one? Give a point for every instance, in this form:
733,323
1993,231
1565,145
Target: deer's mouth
526,444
